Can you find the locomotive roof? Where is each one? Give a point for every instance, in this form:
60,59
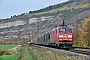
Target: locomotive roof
64,26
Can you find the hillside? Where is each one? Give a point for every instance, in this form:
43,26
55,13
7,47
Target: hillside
45,19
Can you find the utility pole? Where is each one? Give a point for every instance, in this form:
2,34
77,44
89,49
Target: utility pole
38,26
77,24
76,32
32,31
32,35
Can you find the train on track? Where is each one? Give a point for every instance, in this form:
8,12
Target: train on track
62,37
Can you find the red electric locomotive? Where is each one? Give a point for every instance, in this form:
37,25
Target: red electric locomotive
62,36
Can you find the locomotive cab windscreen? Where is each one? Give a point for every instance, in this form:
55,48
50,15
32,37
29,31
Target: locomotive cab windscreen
65,30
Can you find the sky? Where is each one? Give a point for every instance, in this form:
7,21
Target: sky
10,8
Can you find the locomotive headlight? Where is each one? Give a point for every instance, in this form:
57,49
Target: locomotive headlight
60,36
70,39
60,39
69,36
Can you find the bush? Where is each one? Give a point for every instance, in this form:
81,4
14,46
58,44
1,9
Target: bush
5,52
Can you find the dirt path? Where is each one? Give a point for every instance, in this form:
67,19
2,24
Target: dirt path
33,56
21,56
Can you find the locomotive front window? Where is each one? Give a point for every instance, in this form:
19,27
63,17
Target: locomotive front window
65,30
62,30
68,30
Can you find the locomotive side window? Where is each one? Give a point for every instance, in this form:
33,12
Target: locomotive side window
56,31
65,30
49,36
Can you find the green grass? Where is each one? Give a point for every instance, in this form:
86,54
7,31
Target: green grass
40,54
4,47
27,55
13,56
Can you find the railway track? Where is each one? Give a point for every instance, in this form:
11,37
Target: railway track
81,47
81,52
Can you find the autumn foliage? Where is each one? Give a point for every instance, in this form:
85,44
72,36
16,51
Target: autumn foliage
84,34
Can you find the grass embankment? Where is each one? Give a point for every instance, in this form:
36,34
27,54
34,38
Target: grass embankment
45,54
12,55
